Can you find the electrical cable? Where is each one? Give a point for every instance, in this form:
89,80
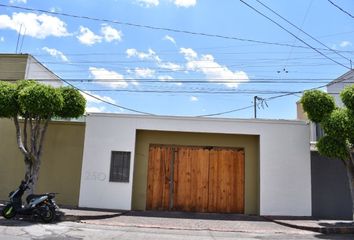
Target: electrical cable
107,102
341,9
254,9
267,99
313,38
149,26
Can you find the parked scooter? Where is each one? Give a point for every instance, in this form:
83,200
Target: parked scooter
42,206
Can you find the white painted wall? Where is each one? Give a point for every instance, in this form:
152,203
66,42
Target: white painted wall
35,70
285,167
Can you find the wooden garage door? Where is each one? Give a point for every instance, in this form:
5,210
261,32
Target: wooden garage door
195,179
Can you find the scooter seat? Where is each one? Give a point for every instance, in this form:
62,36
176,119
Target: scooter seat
32,196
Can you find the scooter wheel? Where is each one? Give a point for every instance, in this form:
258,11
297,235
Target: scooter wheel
8,211
47,214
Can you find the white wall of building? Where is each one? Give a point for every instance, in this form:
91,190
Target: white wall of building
339,84
285,167
35,70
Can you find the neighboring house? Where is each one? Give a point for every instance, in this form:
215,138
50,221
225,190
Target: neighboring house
196,164
25,66
333,88
330,189
337,85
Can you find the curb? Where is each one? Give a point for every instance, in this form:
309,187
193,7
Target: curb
74,218
323,230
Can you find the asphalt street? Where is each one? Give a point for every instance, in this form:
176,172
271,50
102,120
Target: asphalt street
21,230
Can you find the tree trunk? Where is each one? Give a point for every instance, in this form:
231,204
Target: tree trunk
28,169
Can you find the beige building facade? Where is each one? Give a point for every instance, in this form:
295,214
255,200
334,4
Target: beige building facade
61,161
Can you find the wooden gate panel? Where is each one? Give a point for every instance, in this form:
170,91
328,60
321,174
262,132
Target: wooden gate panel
226,181
201,173
158,178
204,180
191,179
239,182
213,181
182,178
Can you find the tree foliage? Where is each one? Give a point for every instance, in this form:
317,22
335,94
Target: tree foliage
333,148
347,96
317,104
35,104
74,103
39,100
338,126
8,106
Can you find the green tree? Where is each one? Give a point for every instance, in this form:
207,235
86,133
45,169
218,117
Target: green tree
338,125
34,105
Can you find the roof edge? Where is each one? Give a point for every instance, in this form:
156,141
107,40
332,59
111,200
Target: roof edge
166,117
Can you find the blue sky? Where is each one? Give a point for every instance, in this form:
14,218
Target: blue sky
173,73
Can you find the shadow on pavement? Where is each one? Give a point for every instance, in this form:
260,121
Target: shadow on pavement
68,217
203,216
17,222
338,224
336,236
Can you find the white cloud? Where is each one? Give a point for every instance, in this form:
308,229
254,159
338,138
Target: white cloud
108,78
149,55
185,3
213,71
2,39
169,38
144,72
18,1
344,44
94,99
95,109
37,26
110,34
170,66
88,37
188,53
194,99
148,3
56,53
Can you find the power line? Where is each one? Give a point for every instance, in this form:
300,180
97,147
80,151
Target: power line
346,12
222,113
191,80
187,91
302,23
102,100
150,27
313,38
254,9
267,99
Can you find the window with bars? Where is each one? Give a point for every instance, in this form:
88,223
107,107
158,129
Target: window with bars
120,166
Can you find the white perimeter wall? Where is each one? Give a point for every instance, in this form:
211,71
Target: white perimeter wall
285,167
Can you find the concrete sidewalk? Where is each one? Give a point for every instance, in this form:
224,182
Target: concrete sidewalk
208,221
205,221
316,225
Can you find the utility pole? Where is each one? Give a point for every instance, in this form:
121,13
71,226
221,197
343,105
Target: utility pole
255,104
